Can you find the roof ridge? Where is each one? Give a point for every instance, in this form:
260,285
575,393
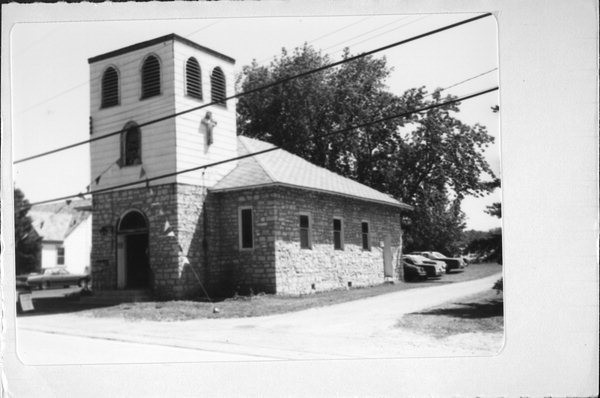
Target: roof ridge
262,166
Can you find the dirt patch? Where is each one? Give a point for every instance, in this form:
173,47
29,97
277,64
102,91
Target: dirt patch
480,313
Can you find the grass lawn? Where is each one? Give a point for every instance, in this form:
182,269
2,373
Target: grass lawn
251,306
479,313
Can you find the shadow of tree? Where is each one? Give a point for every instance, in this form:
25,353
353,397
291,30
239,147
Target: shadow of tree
475,310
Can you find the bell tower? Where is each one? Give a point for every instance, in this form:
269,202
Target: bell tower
141,167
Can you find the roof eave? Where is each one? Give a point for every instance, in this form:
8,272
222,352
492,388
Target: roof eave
398,204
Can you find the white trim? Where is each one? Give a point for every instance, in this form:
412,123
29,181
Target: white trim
240,209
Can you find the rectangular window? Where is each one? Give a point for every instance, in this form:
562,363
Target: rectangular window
60,255
246,229
304,232
366,239
338,234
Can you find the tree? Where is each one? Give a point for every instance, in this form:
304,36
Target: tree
430,160
27,242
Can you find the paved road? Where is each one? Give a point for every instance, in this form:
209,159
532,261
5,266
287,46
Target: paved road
357,329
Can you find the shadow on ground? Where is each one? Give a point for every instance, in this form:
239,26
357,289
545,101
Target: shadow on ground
473,310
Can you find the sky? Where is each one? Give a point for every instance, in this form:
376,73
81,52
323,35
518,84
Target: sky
50,77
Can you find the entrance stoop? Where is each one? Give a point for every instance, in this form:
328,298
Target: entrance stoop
114,297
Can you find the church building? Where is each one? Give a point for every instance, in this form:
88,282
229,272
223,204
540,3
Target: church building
271,223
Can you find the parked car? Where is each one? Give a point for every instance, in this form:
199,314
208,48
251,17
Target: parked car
451,263
413,272
432,268
57,278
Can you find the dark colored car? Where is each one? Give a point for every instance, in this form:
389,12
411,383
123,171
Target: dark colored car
57,278
432,268
451,263
413,272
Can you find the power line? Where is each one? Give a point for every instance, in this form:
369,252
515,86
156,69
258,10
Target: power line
274,148
266,86
99,77
380,34
319,38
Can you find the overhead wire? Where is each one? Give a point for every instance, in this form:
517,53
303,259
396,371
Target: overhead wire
98,77
274,148
264,87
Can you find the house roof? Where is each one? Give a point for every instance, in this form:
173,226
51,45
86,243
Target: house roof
280,167
55,221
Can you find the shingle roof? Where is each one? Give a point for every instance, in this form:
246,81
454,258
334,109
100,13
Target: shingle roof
280,167
55,221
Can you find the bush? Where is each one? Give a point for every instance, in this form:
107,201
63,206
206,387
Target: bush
498,286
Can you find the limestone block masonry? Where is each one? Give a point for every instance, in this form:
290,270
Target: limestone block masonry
173,212
194,242
277,264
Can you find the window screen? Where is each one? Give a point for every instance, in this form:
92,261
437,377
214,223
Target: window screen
150,77
193,78
131,150
246,229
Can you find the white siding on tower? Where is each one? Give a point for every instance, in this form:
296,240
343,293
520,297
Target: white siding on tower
191,147
158,140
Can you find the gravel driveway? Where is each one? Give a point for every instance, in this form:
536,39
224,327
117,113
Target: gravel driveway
356,329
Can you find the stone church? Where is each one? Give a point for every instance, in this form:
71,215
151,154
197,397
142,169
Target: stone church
271,223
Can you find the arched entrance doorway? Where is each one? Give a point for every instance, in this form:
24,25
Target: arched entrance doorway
133,265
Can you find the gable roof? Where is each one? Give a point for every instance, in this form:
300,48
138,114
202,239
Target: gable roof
280,167
55,221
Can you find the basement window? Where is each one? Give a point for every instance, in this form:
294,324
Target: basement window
110,88
246,228
305,241
217,86
338,234
150,77
193,79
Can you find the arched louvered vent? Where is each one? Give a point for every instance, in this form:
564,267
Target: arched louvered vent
150,77
110,88
131,145
217,86
193,78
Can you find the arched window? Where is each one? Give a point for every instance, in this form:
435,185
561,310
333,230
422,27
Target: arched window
217,86
150,77
131,145
110,88
193,79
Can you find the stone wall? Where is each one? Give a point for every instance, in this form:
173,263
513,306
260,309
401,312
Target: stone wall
301,271
173,214
242,270
277,264
194,240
